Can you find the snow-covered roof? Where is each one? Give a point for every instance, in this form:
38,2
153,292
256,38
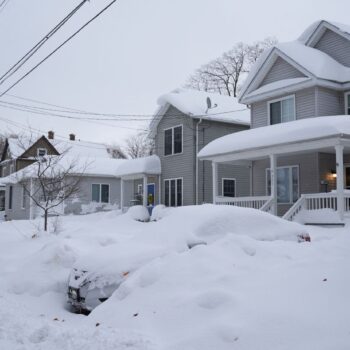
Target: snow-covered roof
88,166
18,146
278,134
146,165
313,63
310,31
79,148
193,103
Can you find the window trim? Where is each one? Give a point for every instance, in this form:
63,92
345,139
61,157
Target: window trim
41,149
280,100
182,190
12,168
222,186
173,140
346,107
109,193
138,189
290,182
10,202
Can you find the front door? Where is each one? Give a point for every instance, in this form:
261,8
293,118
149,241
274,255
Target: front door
347,177
151,190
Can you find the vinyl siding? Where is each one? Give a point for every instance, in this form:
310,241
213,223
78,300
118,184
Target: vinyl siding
304,103
281,70
330,102
335,46
17,212
207,133
178,165
309,178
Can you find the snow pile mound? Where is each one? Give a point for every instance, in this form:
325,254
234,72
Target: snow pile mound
160,211
138,213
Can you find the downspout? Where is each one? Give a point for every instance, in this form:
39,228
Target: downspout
197,150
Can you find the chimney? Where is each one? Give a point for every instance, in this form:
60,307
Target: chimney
50,135
72,137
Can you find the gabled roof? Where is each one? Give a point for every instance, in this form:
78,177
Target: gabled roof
316,65
193,103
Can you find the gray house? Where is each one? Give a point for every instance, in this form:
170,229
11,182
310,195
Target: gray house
99,188
185,122
299,144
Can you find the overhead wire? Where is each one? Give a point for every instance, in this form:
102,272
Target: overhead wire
58,48
14,68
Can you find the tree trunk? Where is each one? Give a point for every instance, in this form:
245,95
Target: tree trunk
45,220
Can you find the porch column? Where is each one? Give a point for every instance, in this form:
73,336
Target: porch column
273,174
340,179
215,181
144,197
121,194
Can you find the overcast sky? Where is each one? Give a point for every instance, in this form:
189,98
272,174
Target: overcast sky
136,51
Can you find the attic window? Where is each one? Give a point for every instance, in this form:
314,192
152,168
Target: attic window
282,110
41,152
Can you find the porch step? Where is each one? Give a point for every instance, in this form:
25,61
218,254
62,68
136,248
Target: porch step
325,224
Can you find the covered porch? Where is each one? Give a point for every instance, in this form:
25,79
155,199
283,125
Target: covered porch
140,182
309,165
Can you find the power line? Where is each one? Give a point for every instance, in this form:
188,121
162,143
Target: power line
59,47
3,5
39,44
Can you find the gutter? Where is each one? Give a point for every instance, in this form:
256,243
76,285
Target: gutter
197,150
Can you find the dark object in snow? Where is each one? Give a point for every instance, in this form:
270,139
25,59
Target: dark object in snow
135,314
304,237
97,324
193,244
325,280
55,319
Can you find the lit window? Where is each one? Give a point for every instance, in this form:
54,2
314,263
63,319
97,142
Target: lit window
282,111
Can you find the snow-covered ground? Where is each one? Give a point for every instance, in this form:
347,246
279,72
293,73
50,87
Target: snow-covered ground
252,286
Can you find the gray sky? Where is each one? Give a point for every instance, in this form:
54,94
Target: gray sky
136,51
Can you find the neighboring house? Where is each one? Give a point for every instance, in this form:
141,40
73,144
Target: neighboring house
185,122
99,187
300,156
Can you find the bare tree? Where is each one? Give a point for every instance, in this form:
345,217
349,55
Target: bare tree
116,152
50,181
139,145
224,74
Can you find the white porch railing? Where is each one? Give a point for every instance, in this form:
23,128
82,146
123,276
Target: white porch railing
262,203
317,201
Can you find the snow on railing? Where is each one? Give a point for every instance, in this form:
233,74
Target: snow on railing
316,201
244,202
267,207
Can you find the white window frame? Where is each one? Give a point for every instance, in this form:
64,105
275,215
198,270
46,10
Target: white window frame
290,182
12,168
182,190
23,200
109,193
41,149
280,100
173,140
222,185
140,189
346,95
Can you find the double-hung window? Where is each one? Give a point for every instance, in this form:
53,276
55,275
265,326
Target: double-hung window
281,111
100,193
173,140
173,192
347,103
10,197
229,187
287,184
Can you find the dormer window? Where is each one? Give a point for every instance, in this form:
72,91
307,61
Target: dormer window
281,110
41,152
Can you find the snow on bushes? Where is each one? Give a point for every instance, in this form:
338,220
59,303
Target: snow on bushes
138,213
159,211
